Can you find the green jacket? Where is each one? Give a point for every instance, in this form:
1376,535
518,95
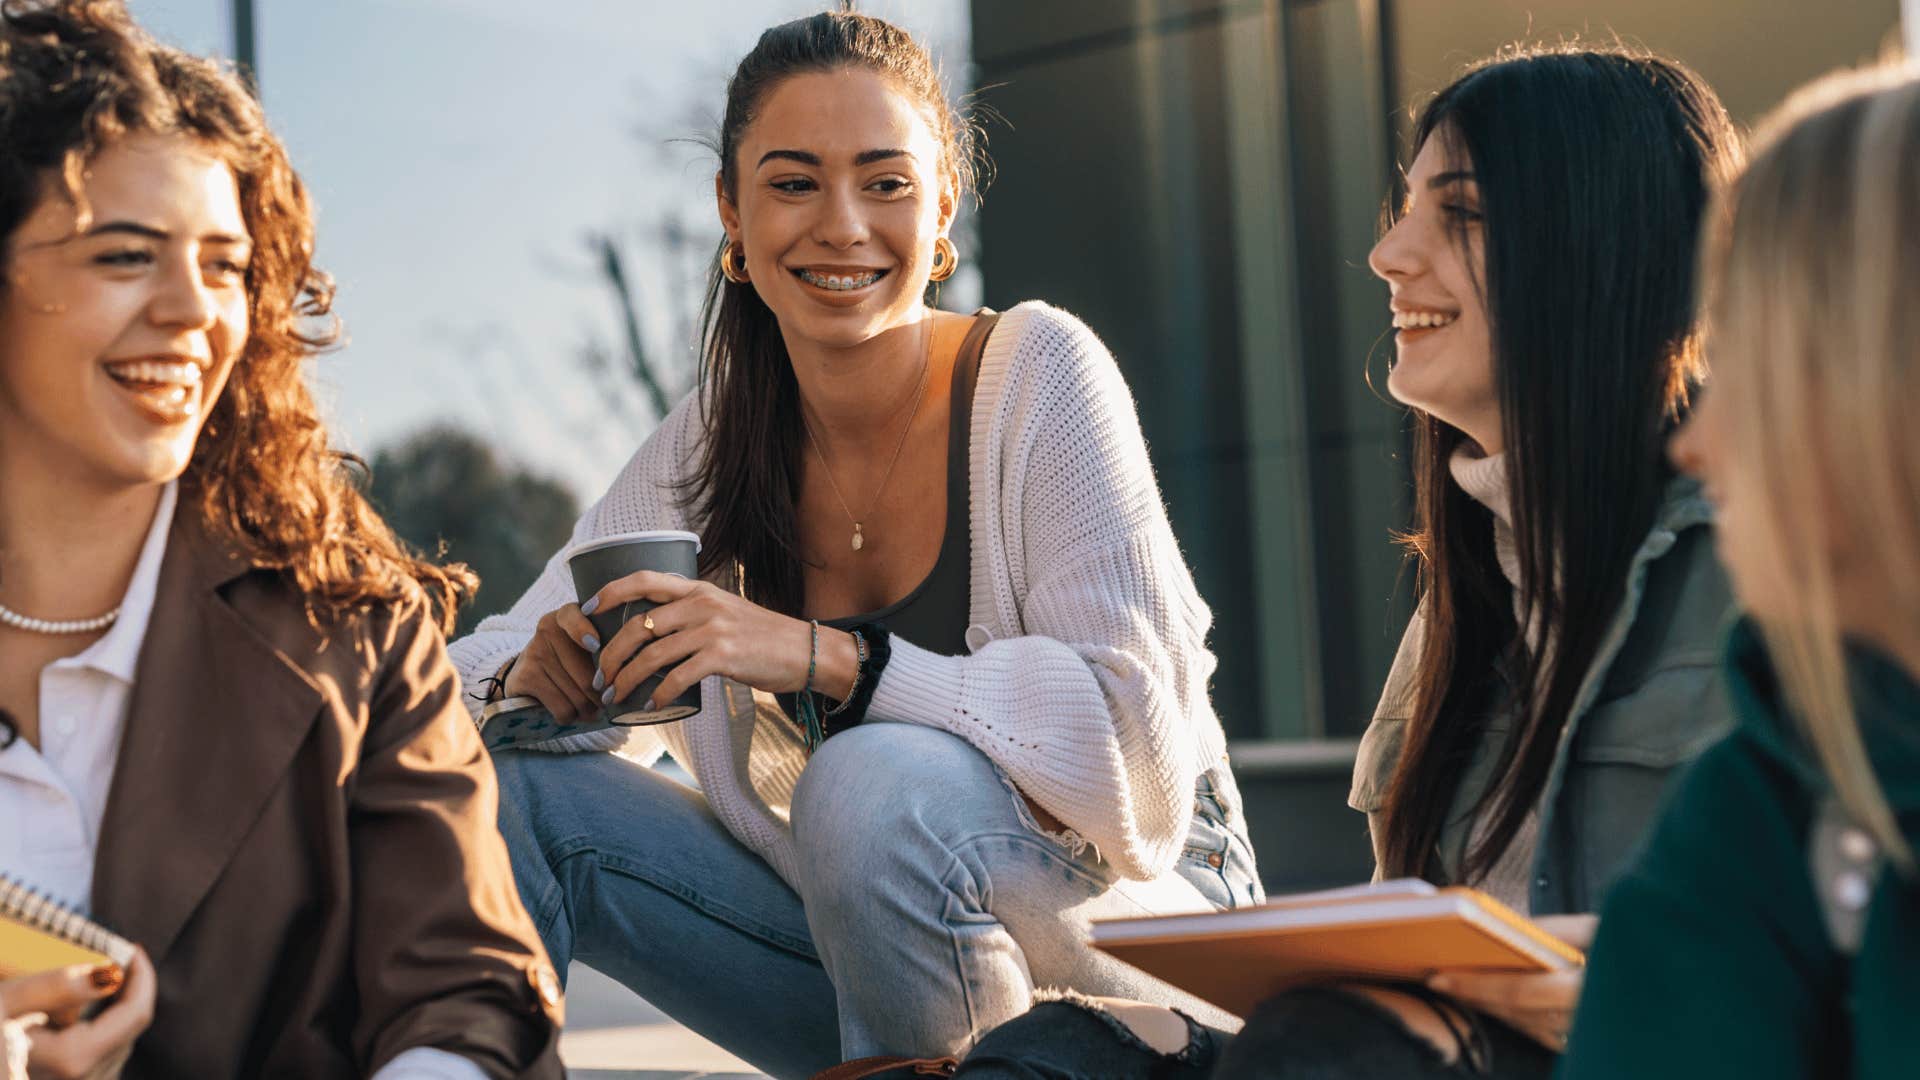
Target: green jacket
1651,702
1714,957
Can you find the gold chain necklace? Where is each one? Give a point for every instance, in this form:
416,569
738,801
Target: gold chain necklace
919,395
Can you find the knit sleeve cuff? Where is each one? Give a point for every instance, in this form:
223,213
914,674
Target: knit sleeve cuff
918,686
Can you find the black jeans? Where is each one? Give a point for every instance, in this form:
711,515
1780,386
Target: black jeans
1313,1034
1065,1040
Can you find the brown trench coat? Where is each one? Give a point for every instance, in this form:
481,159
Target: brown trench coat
300,832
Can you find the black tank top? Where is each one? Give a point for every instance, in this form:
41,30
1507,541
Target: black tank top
934,614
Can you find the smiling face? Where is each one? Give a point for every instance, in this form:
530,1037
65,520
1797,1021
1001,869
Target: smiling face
117,338
839,199
1443,340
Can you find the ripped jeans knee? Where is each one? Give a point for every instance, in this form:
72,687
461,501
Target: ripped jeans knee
1068,1036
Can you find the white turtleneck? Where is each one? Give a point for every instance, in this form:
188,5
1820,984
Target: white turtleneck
1484,478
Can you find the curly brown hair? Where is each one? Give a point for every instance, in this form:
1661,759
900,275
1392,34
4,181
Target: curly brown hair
75,75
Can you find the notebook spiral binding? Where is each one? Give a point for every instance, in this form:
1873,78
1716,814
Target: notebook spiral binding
33,908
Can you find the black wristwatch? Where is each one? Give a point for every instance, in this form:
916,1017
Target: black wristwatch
879,648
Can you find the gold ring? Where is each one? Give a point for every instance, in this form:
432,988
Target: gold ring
648,623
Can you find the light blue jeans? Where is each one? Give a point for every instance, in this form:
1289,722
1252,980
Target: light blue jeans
931,904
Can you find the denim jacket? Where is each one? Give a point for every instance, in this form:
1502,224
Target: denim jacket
1650,703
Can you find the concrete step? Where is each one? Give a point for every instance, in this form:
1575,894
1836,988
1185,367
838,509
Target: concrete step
1304,834
613,1034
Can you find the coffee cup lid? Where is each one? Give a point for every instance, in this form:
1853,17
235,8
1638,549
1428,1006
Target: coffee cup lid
599,542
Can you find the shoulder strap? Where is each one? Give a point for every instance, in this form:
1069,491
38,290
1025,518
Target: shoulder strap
975,343
1844,864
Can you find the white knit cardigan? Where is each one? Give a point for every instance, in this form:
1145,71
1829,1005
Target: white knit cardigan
1087,677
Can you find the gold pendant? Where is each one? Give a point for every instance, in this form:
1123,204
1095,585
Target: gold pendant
858,540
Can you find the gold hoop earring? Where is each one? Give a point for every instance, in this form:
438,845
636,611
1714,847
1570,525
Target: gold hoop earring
738,276
946,259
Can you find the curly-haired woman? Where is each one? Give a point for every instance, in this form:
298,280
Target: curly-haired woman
231,731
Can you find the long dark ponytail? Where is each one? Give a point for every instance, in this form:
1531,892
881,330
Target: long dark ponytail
1594,168
748,476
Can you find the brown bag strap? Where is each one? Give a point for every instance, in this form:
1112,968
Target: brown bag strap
862,1068
975,343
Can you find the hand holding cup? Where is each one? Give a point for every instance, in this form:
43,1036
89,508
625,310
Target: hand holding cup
556,667
597,564
698,629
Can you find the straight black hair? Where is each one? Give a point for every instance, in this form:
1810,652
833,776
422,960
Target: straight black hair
748,477
1594,167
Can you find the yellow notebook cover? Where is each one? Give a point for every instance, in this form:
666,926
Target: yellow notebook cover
39,934
1402,930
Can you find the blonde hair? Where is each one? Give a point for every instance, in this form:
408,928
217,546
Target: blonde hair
1809,263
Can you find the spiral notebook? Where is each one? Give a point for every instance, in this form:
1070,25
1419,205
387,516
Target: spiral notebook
39,934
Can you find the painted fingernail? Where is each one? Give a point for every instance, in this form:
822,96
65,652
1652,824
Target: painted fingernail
107,978
607,698
599,679
591,641
590,606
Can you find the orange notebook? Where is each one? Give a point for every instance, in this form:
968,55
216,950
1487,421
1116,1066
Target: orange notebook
1404,930
39,934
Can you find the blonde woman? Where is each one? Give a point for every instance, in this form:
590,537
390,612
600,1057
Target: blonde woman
1772,927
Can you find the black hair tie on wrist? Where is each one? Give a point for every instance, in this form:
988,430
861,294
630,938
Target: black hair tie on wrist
879,649
494,687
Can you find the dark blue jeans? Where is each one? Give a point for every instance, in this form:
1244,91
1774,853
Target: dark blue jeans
1315,1034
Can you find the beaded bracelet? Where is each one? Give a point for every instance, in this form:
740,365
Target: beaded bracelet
811,729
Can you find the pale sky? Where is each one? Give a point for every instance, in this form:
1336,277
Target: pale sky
460,151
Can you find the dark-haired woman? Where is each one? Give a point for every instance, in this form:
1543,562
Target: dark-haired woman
232,732
1561,667
938,532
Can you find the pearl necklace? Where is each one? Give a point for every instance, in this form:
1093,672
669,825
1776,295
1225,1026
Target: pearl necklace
57,627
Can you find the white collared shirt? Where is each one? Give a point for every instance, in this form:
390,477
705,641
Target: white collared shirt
58,794
54,798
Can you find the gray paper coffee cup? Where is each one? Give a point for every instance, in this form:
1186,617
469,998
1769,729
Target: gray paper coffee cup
594,564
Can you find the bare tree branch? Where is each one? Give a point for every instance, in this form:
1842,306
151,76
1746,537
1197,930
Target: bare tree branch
613,269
